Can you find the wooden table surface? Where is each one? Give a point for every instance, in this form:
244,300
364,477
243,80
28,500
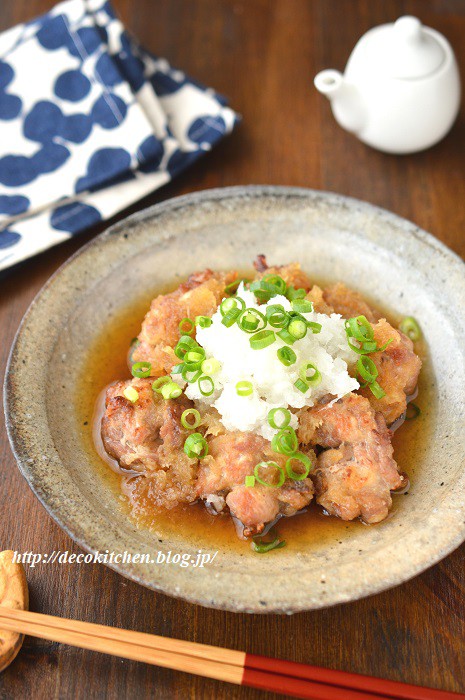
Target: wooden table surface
263,54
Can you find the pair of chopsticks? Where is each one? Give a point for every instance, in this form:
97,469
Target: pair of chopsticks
286,677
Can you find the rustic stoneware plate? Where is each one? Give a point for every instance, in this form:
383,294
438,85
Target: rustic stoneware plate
333,237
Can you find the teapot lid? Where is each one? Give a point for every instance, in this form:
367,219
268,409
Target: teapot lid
404,49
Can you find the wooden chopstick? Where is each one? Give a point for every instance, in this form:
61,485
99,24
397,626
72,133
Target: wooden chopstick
298,680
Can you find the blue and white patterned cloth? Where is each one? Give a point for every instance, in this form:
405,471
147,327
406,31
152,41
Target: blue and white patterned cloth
89,123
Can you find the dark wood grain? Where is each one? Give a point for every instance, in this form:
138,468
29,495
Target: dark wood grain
263,54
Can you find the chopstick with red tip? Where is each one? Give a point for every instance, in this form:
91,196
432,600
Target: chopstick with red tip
286,677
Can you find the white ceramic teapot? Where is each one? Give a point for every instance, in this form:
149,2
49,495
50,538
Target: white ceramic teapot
400,91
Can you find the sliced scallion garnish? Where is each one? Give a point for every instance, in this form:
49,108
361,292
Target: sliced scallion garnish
141,369
249,481
409,326
297,328
206,385
301,385
251,321
203,321
286,337
292,293
287,356
279,418
310,374
159,383
303,459
210,366
244,388
186,326
367,369
231,304
190,375
131,394
186,421
171,390
232,287
376,390
196,447
277,474
285,442
262,545
184,344
262,339
302,306
230,317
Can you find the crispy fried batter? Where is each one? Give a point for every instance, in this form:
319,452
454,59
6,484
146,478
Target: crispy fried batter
147,437
232,457
398,369
199,296
355,476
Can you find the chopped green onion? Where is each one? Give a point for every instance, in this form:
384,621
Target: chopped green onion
184,344
365,348
261,546
171,390
177,369
282,422
262,339
194,358
277,316
231,304
190,375
276,282
359,328
203,321
376,390
367,369
250,480
286,337
287,356
186,421
186,326
297,328
230,318
244,388
232,287
302,306
251,321
141,369
135,342
196,447
206,385
277,470
158,383
413,410
310,374
303,459
301,386
285,442
383,347
409,326
210,366
293,293
314,327
131,394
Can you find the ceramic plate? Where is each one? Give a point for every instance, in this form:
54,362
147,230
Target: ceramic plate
334,238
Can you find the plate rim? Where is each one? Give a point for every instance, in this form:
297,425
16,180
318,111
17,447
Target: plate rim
154,211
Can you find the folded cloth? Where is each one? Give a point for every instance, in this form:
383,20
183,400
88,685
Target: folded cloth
90,122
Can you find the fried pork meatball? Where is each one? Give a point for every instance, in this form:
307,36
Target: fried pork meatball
398,369
147,437
231,458
199,296
355,476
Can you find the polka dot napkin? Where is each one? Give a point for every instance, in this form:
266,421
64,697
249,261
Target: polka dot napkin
89,123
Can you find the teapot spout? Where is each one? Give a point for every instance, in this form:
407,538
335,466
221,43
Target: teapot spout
345,100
